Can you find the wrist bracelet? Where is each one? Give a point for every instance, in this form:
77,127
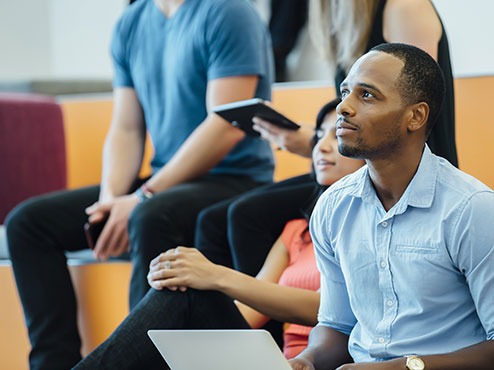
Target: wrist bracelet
144,193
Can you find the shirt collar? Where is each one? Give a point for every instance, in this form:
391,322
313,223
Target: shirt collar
423,185
420,191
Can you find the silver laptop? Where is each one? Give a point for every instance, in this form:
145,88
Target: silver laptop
219,349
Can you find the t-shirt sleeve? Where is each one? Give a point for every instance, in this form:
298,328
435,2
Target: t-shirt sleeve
334,310
119,55
237,39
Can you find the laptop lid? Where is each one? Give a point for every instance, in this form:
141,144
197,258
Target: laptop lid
219,349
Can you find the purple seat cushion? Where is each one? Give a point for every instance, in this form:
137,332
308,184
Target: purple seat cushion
32,148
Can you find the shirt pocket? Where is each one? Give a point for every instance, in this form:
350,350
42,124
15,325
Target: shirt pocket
408,249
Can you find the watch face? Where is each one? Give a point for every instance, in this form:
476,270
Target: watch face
416,364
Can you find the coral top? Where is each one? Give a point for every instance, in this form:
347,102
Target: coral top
302,273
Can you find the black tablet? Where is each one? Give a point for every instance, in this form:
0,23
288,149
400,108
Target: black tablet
240,115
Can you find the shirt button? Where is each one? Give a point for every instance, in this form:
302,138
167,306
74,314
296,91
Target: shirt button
390,303
383,264
384,224
381,340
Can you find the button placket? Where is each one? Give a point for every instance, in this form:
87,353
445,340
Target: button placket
383,240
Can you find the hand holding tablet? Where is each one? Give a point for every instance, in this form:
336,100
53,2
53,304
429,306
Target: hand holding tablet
240,115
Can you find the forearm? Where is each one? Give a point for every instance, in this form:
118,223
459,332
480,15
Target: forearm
203,150
281,303
327,348
122,159
304,145
212,140
477,357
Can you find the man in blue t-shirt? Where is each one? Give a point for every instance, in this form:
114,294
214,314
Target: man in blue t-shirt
173,61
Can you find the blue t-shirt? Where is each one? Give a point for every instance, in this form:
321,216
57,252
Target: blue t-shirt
169,61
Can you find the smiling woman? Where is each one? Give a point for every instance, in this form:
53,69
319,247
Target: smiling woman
329,164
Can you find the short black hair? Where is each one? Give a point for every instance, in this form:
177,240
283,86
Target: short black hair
421,78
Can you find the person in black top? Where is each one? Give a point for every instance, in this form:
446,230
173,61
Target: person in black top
288,18
380,21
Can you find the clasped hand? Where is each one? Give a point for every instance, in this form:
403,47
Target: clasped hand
181,268
113,240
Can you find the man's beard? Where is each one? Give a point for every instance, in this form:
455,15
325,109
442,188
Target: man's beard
362,151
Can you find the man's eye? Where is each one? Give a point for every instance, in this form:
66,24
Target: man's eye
344,93
367,94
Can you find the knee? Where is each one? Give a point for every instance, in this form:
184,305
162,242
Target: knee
20,221
211,227
206,220
243,209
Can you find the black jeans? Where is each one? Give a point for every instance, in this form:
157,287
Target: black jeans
250,223
41,229
129,347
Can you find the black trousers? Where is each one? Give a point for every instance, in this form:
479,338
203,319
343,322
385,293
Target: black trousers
249,224
41,229
129,347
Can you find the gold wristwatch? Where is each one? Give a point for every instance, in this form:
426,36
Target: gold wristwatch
414,362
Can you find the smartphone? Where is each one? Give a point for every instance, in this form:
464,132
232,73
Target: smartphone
93,231
240,115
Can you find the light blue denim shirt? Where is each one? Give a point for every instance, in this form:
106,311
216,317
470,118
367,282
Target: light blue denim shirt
418,279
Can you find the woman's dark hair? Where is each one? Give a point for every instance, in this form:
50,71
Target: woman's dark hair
323,112
319,189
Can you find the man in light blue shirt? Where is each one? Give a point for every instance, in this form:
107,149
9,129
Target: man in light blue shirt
406,244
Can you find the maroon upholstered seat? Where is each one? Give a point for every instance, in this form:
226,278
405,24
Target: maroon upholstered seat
32,148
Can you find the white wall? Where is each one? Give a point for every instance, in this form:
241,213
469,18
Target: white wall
69,39
25,44
56,38
470,28
80,36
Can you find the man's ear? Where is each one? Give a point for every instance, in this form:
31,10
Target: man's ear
419,115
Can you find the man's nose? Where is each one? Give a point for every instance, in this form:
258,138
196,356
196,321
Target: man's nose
345,108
